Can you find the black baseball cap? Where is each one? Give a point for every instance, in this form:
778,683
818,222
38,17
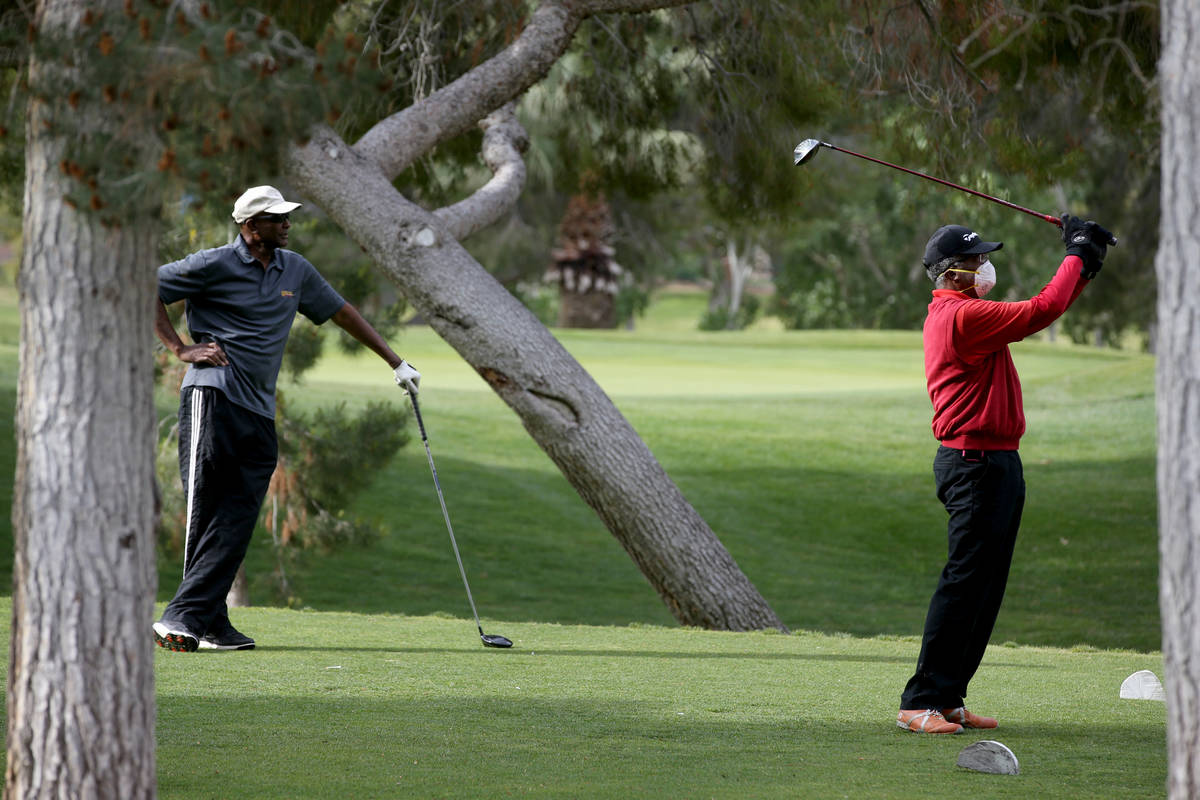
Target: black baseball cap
956,240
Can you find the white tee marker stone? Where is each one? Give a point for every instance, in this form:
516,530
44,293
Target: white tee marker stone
989,756
1143,685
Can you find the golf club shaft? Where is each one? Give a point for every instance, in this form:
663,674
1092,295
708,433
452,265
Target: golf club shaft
445,514
1047,217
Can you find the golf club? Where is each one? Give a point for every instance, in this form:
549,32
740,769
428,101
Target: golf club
489,640
808,148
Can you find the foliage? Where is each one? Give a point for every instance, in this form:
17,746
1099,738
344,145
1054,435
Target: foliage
304,347
1061,93
719,319
671,104
324,462
698,104
172,516
756,73
206,93
334,453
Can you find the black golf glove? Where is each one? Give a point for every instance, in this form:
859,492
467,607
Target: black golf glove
1088,240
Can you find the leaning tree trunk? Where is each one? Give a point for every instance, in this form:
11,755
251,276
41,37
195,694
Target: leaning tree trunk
559,403
81,681
1178,387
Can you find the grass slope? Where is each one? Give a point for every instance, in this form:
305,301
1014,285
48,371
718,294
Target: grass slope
807,452
337,705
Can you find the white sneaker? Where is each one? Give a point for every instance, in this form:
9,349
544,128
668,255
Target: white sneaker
173,636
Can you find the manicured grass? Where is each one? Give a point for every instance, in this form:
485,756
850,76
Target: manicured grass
807,452
336,705
809,455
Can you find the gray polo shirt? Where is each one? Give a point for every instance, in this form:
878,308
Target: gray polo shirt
248,310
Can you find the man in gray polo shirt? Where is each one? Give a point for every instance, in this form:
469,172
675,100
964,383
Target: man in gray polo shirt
240,301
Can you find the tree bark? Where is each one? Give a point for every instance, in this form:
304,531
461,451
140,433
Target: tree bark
589,309
1178,391
560,405
81,681
563,409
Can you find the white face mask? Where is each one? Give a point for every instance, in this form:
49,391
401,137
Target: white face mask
985,278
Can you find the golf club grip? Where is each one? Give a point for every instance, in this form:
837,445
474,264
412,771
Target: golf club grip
417,413
1112,240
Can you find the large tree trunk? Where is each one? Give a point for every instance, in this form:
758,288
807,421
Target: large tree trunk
1178,388
81,681
560,405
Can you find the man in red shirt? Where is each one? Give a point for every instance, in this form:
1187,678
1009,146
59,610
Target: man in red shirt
979,420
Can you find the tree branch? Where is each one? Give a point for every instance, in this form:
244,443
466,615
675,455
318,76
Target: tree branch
949,48
504,140
395,142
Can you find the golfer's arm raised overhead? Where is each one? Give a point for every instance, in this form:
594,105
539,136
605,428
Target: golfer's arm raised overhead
984,326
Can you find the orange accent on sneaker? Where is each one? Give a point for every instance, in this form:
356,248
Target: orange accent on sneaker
967,719
926,720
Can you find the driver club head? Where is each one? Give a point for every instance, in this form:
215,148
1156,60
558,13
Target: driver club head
805,150
495,640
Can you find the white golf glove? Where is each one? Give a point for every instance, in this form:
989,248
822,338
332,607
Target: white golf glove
407,378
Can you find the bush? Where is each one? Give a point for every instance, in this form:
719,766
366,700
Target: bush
719,319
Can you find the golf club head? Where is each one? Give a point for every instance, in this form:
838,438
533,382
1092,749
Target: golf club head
805,150
495,640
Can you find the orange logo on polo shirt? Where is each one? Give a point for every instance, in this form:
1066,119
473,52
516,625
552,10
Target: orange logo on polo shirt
286,293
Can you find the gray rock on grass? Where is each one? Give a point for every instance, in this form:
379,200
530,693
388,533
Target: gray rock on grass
989,756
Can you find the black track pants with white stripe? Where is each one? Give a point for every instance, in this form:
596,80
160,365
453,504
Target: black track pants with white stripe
227,455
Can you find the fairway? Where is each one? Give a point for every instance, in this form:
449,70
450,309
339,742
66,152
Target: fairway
808,452
346,705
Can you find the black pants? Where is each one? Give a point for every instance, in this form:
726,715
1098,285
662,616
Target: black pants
227,455
984,494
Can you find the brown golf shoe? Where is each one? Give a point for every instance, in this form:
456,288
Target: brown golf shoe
967,719
926,720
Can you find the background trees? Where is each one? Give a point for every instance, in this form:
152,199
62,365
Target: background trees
379,142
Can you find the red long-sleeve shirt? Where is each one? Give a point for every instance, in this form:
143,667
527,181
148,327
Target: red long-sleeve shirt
972,381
